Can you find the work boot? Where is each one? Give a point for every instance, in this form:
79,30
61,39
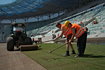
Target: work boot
73,52
79,55
67,53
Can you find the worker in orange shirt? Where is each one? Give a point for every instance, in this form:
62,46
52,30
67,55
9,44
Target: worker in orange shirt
81,34
67,32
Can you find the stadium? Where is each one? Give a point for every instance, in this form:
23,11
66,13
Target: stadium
40,18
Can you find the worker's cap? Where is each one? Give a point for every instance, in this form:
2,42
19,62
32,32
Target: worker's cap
66,23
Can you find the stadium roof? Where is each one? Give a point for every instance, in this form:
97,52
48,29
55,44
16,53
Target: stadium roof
30,8
27,8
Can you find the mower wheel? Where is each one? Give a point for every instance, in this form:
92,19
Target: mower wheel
28,41
10,44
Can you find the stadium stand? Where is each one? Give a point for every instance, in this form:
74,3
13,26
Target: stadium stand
95,30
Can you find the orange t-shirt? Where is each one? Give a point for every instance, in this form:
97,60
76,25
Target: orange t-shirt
79,30
66,31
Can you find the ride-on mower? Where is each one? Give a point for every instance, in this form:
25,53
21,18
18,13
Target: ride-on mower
18,38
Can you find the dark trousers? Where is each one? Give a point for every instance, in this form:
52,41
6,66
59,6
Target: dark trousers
81,44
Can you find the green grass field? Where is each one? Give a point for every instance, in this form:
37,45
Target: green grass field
94,58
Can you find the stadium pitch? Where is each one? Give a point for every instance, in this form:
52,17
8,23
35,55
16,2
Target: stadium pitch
94,58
